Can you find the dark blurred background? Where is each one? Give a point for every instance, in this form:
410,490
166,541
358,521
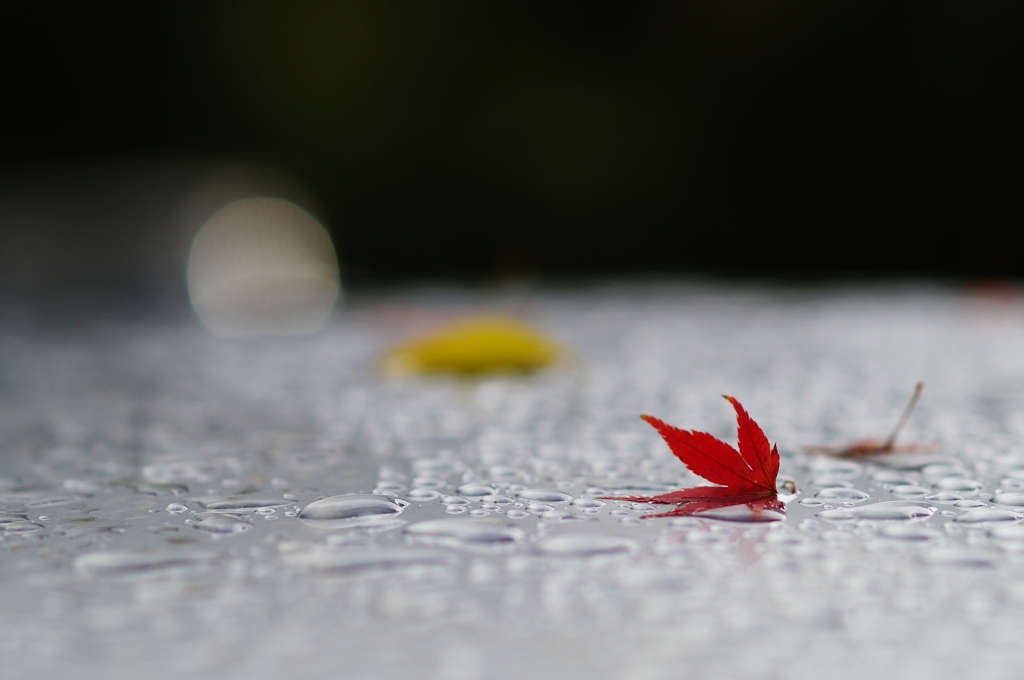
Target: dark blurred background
484,140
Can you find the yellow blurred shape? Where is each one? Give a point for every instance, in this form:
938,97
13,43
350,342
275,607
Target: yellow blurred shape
478,345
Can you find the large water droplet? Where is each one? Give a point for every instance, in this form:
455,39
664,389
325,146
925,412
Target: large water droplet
221,525
423,495
587,545
1014,500
843,494
475,534
243,504
945,497
476,490
351,510
884,511
21,527
565,516
544,496
958,484
910,490
986,515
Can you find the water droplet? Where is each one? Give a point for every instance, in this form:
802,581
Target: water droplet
221,525
497,500
1012,499
475,534
517,514
944,497
176,508
422,495
566,516
266,511
884,511
958,484
910,491
455,509
351,510
370,562
137,563
476,490
454,500
969,504
544,496
242,504
843,494
582,545
980,515
811,502
966,558
21,527
479,512
742,513
587,503
538,508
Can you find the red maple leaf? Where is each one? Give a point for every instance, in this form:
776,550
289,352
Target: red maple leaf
872,447
747,476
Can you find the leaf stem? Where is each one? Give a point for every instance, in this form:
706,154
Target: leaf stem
891,441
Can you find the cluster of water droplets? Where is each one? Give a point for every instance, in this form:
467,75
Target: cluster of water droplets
171,504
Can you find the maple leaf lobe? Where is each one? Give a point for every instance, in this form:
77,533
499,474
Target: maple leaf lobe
747,476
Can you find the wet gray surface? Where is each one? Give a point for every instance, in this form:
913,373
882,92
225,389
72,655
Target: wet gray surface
168,501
